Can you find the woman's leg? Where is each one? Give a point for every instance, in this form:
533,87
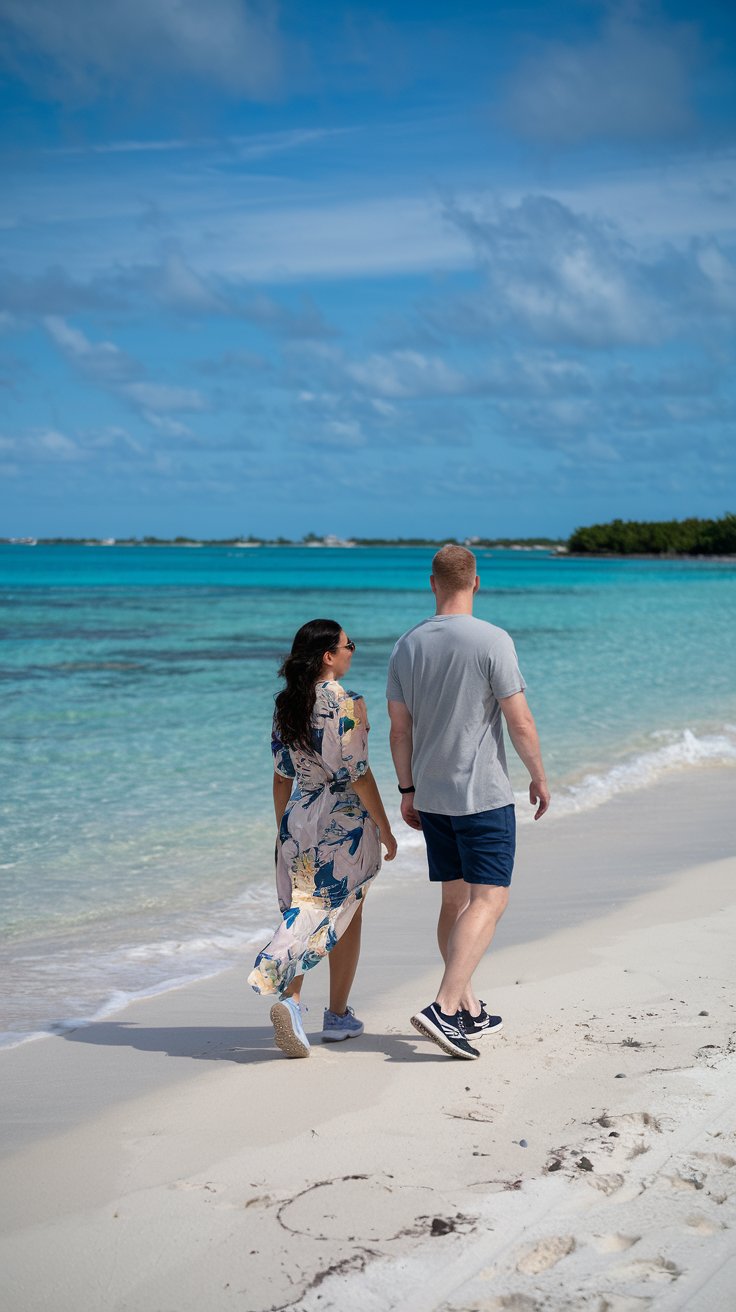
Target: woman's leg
344,963
295,988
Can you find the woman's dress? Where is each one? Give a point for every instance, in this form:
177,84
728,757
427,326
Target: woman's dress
328,849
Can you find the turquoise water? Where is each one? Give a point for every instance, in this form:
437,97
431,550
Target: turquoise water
137,684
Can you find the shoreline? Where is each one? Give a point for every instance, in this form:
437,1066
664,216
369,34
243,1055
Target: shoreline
648,774
547,551
173,1158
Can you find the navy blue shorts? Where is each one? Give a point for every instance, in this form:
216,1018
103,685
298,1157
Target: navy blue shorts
477,848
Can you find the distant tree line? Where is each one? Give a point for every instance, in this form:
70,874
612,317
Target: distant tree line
672,537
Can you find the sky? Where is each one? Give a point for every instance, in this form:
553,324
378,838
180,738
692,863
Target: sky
461,269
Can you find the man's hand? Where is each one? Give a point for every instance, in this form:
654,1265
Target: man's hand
539,796
409,815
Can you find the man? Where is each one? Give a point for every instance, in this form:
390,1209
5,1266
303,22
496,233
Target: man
451,680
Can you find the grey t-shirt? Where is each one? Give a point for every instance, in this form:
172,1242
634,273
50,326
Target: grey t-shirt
451,671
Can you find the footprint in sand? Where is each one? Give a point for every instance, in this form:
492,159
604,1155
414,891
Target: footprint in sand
504,1303
606,1184
629,1121
613,1243
719,1159
545,1254
687,1178
656,1268
623,1303
702,1225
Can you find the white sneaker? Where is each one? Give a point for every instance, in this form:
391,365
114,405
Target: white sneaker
289,1035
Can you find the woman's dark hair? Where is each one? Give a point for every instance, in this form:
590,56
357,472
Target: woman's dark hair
301,669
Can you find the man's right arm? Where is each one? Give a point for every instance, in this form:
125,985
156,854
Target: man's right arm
524,736
401,742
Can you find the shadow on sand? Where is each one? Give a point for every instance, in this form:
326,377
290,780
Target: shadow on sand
244,1045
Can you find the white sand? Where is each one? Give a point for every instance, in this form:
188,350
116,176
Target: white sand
171,1159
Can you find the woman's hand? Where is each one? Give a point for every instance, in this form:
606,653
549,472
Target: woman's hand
389,842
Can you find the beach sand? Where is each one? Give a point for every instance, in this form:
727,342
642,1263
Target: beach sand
171,1158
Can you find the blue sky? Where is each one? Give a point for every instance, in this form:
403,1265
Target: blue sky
375,269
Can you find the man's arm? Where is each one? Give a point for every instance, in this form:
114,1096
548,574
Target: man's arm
400,739
524,736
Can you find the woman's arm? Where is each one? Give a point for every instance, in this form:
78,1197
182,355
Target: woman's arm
367,790
281,795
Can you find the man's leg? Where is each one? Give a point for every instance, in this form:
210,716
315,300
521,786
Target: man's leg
455,898
468,940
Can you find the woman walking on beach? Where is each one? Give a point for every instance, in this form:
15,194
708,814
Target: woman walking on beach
331,824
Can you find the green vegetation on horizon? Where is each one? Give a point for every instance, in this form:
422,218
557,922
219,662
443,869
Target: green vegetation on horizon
672,537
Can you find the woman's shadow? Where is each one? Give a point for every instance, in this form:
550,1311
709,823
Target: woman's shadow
245,1045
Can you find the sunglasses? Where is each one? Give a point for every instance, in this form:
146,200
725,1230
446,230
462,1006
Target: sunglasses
349,646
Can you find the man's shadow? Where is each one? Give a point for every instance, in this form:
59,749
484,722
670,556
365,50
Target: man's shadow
244,1045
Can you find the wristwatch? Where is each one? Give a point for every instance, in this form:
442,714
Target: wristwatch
410,789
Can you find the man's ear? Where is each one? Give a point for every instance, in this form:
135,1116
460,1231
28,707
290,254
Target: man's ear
432,584
476,585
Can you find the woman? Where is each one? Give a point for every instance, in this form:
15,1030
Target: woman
330,831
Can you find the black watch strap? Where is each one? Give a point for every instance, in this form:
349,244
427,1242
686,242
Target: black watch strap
410,789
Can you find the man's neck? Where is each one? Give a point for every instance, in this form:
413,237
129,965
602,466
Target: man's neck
461,603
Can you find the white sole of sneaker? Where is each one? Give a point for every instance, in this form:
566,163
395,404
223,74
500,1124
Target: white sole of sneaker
478,1034
329,1036
424,1026
285,1037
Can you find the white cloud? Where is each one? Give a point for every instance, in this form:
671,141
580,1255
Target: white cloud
102,361
343,432
43,445
407,373
105,363
58,445
559,277
166,425
255,146
720,274
265,144
178,286
158,397
632,82
77,51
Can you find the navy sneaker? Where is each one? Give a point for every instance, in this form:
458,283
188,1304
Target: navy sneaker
336,1027
482,1023
446,1031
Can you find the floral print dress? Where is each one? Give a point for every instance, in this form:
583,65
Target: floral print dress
328,849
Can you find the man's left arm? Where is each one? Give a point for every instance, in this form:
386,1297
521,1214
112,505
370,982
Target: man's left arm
401,742
524,736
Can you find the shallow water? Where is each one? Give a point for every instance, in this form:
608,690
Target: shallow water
137,689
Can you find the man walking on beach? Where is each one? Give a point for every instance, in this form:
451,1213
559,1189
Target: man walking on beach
451,679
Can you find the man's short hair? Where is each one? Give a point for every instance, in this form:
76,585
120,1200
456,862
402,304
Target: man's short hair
453,568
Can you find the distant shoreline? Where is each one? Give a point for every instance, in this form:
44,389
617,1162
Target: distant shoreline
505,544
555,550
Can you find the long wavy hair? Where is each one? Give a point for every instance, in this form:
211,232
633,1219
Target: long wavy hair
301,669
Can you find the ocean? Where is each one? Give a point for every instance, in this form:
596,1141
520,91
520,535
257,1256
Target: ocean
137,693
